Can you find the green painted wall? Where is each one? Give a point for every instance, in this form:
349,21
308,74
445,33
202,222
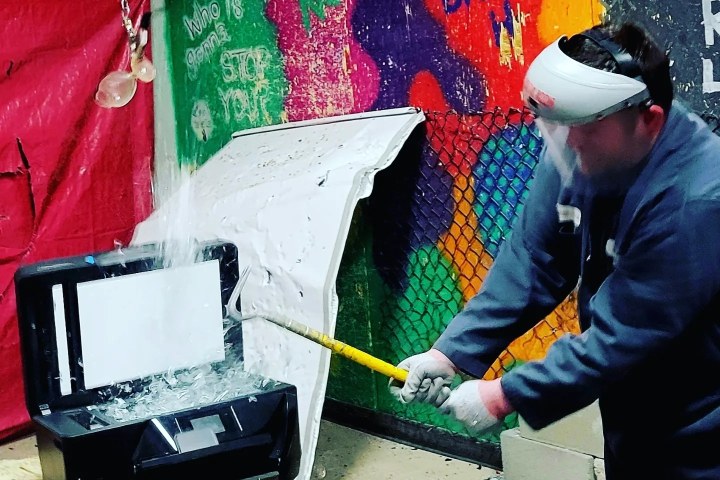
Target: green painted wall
227,73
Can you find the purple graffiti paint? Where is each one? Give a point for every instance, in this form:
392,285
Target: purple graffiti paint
452,6
404,40
411,207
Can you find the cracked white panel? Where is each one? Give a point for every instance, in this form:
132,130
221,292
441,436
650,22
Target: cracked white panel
285,196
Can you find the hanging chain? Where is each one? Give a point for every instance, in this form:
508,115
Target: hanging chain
127,23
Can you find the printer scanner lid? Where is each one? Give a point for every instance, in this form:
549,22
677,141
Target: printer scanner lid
92,321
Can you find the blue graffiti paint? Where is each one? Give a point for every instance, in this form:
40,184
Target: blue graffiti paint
404,40
507,22
502,177
455,6
452,7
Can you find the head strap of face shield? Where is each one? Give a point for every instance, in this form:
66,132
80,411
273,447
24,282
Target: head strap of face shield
627,65
562,89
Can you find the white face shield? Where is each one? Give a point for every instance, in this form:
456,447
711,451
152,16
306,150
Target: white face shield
563,93
560,89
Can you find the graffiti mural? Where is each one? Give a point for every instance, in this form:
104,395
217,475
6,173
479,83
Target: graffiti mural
245,63
226,76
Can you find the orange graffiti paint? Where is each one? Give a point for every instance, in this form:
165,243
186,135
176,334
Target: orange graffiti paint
567,17
461,244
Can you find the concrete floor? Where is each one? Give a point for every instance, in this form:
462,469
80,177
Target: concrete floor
342,453
347,454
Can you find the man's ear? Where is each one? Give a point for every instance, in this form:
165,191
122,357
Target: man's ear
653,119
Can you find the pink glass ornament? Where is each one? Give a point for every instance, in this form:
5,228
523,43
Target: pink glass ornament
116,89
143,70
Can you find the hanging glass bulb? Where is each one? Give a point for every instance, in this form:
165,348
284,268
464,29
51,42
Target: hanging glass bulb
143,69
116,89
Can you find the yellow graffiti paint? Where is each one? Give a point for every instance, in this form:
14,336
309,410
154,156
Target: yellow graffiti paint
567,17
346,59
518,25
511,48
505,47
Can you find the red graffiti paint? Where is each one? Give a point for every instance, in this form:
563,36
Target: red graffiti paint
471,32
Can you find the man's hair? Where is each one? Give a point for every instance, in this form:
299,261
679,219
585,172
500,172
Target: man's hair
653,61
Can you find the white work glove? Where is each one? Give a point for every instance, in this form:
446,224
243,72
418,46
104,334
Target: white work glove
429,376
480,405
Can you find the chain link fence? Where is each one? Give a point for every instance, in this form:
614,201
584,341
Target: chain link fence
438,217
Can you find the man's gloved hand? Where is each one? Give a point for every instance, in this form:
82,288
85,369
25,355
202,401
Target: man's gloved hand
429,377
480,405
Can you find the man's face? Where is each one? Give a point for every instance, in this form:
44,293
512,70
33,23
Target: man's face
606,145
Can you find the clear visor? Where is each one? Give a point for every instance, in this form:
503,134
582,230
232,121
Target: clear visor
562,157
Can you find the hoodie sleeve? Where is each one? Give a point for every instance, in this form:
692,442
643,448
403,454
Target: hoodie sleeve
661,285
536,268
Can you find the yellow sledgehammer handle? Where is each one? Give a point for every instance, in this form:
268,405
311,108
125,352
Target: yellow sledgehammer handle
351,353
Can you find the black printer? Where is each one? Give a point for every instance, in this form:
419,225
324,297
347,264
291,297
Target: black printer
118,389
